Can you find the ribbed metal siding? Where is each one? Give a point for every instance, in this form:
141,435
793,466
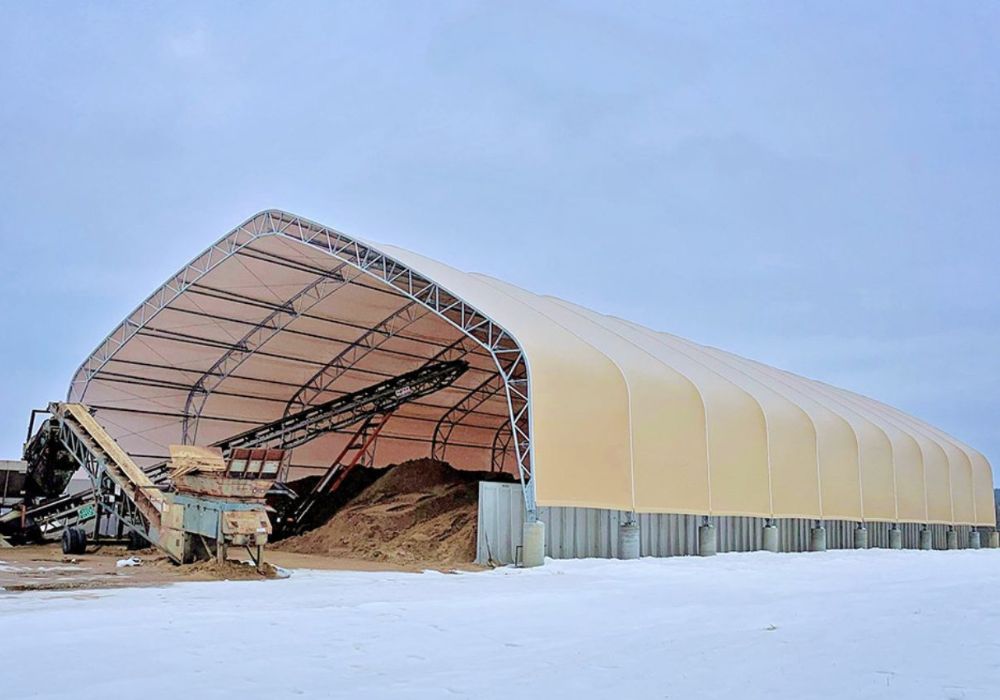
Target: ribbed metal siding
499,523
573,533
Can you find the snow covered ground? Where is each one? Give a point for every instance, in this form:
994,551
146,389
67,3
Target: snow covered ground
871,624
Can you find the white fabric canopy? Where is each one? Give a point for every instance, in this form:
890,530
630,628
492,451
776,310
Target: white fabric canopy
614,415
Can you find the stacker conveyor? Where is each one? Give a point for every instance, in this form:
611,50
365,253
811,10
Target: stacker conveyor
146,504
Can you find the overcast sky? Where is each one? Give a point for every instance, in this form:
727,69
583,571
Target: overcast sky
816,186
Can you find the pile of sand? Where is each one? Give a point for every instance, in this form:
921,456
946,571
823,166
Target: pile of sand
228,570
419,512
327,504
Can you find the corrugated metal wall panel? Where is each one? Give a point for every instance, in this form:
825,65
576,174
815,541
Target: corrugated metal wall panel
501,517
572,533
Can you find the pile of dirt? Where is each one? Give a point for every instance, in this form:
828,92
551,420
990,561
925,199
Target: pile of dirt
228,570
419,512
356,481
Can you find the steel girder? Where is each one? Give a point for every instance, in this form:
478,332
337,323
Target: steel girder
301,302
473,399
373,339
500,448
385,397
227,247
497,341
341,363
107,494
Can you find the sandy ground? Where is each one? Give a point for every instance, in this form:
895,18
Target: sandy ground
45,567
411,517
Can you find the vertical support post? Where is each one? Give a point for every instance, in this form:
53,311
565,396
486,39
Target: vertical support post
530,504
97,525
817,538
628,538
220,542
926,541
533,547
707,544
770,536
861,536
895,537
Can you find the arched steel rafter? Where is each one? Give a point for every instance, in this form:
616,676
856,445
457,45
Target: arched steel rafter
501,446
473,399
507,354
303,300
497,341
344,361
370,340
456,350
220,252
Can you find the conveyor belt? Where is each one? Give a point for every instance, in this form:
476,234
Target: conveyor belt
382,398
124,490
131,493
54,514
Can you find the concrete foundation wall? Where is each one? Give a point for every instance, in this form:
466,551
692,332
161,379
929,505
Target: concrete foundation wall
572,533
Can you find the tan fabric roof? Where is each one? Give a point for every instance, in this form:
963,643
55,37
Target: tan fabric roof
618,416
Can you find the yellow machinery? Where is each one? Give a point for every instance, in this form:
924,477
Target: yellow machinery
204,499
216,504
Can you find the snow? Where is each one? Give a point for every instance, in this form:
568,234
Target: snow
846,625
7,567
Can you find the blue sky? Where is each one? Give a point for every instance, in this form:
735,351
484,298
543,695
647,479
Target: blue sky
811,185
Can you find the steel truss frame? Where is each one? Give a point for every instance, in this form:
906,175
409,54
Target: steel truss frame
308,297
106,493
501,446
473,399
54,515
369,342
292,431
503,348
310,393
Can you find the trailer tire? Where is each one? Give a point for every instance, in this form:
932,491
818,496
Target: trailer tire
81,540
74,540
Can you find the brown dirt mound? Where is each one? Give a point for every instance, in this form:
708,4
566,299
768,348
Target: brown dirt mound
419,512
327,504
228,570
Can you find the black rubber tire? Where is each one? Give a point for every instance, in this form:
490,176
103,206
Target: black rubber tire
81,542
68,540
74,540
135,541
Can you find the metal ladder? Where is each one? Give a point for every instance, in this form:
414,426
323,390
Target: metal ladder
359,449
